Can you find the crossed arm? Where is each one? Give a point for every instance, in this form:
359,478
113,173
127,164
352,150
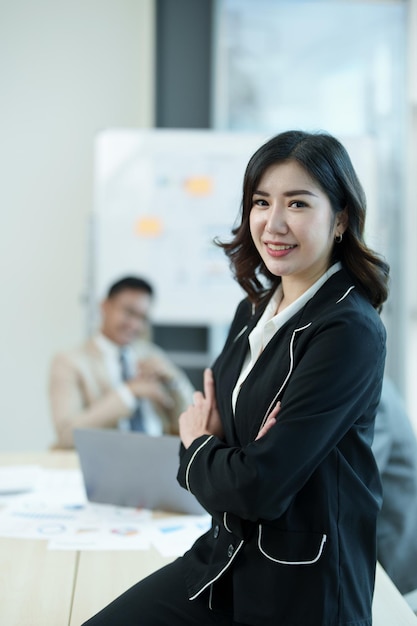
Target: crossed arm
202,417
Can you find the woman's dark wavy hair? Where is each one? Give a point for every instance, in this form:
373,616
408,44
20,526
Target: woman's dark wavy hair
328,163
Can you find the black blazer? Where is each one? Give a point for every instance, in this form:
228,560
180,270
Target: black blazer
294,513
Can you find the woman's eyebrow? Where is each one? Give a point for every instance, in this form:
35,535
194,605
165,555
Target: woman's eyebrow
295,192
258,192
299,192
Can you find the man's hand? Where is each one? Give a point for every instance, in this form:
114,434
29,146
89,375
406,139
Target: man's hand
151,389
157,368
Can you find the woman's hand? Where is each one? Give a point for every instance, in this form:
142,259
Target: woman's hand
202,417
271,421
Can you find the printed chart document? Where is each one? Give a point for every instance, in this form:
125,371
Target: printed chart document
51,505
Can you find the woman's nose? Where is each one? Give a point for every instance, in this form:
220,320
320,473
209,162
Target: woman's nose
276,222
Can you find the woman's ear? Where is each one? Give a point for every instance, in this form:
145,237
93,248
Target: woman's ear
342,221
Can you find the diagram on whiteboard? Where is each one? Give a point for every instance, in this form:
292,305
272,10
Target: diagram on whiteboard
161,196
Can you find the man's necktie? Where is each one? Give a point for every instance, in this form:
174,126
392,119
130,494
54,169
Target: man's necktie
136,419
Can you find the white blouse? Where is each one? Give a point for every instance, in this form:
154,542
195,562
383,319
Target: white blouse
269,323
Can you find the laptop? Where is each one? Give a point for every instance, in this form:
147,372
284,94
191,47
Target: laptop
133,469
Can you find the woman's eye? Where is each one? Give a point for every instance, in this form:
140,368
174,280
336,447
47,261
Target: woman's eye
259,202
297,204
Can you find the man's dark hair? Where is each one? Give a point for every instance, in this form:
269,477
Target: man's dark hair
130,282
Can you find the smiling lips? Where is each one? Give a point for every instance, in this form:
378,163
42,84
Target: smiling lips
279,249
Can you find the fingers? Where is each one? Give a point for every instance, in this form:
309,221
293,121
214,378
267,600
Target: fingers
155,367
197,398
152,390
161,397
270,422
209,385
275,410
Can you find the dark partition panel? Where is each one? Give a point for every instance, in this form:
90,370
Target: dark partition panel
183,63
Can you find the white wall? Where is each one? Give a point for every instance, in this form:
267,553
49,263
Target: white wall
67,70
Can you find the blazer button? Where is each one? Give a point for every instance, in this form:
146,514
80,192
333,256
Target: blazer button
216,531
230,550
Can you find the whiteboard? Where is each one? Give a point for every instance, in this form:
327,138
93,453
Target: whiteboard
160,198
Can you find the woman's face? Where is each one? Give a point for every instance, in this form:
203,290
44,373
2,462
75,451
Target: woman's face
292,224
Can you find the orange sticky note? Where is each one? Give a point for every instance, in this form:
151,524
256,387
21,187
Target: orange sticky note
148,226
199,185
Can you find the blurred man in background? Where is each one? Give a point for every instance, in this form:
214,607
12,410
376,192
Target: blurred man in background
395,450
118,378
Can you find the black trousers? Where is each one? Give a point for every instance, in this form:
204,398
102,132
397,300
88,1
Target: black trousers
160,600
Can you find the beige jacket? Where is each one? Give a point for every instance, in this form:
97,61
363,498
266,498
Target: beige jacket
81,393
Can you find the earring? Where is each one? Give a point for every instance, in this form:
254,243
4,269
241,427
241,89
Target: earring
338,238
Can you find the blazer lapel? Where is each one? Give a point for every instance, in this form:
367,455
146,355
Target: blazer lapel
99,374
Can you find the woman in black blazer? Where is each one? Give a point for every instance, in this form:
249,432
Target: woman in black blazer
277,448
